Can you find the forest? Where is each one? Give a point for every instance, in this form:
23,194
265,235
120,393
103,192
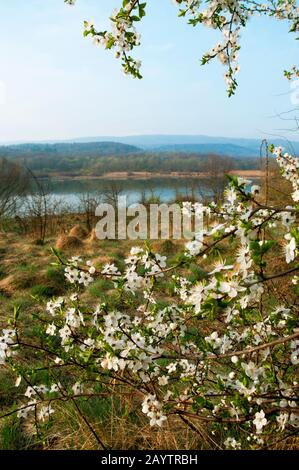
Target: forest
95,159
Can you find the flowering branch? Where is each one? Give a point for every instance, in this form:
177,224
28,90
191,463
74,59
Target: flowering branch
228,16
189,354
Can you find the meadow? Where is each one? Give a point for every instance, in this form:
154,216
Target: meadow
93,396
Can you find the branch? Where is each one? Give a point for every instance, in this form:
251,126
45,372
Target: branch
256,348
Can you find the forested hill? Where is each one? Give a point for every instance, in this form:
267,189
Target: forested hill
98,158
217,148
62,150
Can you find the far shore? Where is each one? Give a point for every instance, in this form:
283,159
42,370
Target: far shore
144,175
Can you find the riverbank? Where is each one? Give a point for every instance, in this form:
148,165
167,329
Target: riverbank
143,175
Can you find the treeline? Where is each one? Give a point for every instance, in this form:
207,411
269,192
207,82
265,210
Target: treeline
169,162
48,163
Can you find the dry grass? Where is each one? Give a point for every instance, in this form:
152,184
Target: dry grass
67,243
6,286
124,426
92,237
78,231
117,433
290,443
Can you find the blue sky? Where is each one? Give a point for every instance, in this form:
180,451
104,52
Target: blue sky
55,84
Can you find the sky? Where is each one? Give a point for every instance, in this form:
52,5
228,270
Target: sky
55,84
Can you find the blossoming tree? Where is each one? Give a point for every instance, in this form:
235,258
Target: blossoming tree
223,351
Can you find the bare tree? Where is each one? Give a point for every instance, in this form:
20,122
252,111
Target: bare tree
112,193
38,204
215,168
88,203
13,184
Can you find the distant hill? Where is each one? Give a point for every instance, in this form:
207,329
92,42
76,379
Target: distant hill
186,143
219,149
57,150
235,147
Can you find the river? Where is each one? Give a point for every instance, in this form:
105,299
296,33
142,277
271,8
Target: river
166,189
69,192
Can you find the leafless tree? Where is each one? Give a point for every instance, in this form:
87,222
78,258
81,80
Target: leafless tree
215,168
14,182
38,205
88,203
112,192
